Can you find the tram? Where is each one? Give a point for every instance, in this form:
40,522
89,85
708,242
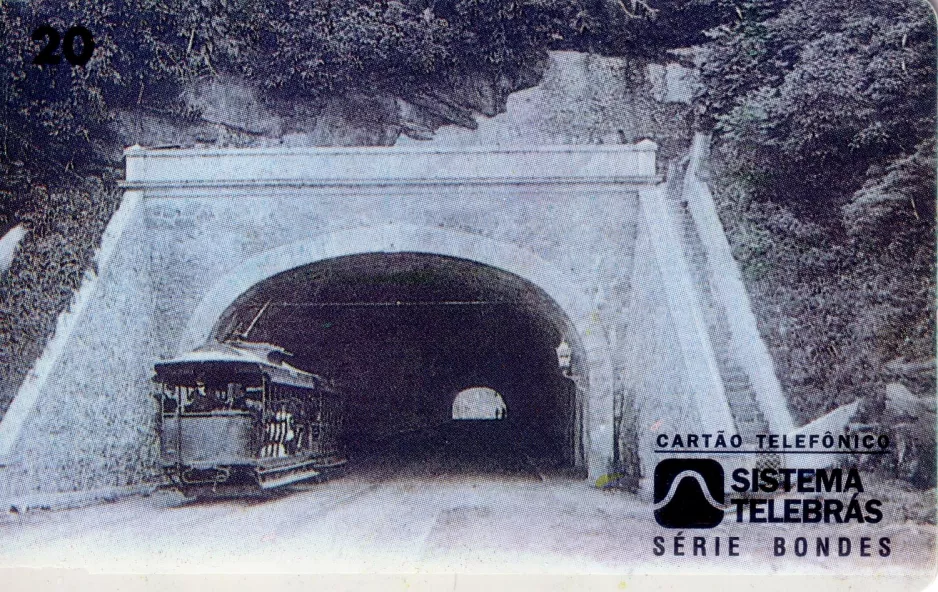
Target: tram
236,417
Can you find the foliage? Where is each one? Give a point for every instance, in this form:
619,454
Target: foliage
148,50
821,90
825,116
48,270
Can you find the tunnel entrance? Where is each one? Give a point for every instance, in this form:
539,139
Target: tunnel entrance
406,333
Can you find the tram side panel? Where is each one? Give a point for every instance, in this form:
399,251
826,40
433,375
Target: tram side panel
222,425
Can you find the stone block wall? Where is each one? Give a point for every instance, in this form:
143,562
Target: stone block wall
85,418
671,377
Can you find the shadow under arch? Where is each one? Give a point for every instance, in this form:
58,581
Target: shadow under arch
593,372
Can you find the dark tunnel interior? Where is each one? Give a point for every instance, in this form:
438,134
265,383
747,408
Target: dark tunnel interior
404,333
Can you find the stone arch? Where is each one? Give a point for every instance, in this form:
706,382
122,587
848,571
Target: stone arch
594,386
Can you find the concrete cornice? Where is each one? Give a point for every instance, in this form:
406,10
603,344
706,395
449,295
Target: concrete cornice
291,167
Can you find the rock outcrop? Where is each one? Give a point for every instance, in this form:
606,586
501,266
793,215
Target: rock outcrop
564,98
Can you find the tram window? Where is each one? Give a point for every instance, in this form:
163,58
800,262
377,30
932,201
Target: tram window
203,398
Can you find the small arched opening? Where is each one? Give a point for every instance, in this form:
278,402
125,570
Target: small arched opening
479,402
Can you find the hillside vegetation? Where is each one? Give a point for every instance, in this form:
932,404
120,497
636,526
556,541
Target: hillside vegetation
825,172
823,114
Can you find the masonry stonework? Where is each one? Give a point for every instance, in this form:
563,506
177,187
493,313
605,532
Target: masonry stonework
199,228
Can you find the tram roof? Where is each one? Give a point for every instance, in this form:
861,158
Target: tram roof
266,356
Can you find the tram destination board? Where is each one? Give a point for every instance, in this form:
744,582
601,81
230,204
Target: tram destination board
625,294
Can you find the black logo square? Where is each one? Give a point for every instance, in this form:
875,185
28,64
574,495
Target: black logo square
689,493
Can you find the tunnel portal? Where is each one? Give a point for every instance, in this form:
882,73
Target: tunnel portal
404,333
556,276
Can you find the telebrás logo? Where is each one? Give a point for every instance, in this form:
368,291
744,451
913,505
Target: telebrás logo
689,493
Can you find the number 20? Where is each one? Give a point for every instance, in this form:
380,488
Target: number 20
47,55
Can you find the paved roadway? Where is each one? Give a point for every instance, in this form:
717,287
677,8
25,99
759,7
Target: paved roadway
446,504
